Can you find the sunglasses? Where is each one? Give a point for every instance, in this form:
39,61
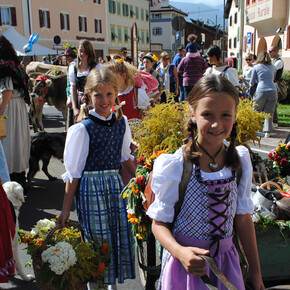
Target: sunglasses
248,59
167,58
270,51
125,52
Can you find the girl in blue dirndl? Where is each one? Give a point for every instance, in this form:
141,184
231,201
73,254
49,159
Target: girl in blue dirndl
214,200
95,148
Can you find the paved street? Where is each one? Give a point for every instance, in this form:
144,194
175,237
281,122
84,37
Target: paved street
45,199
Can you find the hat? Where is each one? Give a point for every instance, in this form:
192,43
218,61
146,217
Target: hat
149,56
192,47
69,50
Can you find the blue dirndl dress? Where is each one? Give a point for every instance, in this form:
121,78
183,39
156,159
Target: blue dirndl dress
100,207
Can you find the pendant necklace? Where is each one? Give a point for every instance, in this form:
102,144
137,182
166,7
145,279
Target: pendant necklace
213,166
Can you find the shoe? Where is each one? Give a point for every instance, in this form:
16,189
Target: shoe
267,135
259,134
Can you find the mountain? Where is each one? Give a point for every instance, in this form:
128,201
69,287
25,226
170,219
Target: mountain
210,14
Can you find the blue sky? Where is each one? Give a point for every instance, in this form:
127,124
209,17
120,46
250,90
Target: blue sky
207,2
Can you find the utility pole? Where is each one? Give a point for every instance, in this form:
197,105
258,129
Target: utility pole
224,32
241,36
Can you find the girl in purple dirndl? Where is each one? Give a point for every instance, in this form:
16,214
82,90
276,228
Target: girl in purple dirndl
214,199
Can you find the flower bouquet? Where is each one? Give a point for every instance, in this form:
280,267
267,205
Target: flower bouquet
61,258
280,157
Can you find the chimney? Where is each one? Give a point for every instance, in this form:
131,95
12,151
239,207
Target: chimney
164,3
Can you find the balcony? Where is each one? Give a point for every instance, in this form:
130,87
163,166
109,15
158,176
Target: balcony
266,16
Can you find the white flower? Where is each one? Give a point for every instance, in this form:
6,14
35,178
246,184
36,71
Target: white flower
43,227
130,210
60,257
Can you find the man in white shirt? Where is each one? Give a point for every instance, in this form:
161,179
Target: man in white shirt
279,65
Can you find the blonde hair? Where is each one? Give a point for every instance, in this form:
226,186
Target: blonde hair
191,37
263,58
120,66
100,77
164,54
89,51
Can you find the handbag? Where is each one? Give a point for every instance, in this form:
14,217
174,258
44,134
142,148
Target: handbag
281,89
3,127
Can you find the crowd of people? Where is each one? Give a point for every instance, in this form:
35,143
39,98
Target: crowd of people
100,143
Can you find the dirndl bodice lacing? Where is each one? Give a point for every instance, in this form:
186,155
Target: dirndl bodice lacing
208,210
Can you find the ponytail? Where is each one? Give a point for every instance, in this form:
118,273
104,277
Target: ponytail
232,156
119,113
190,148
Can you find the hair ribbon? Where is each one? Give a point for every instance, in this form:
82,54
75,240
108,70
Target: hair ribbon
117,107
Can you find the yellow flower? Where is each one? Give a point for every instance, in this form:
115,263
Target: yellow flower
139,237
133,220
125,194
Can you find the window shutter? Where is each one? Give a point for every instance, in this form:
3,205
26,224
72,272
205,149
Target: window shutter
80,23
252,42
154,31
288,37
40,18
61,21
68,25
48,19
245,44
96,25
94,1
0,18
100,26
13,16
160,29
85,23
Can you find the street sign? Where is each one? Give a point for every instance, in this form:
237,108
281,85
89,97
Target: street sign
249,40
178,23
177,36
57,46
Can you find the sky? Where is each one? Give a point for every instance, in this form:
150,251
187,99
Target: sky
207,2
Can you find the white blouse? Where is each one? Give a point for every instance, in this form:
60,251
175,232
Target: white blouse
71,73
77,148
143,99
167,172
231,73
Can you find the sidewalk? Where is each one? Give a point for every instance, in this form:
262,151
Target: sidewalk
278,134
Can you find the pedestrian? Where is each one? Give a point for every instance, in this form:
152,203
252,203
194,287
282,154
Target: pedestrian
135,98
70,54
124,53
193,68
148,62
265,98
140,63
192,46
13,98
279,65
168,76
77,74
214,200
95,148
176,61
214,56
247,73
45,60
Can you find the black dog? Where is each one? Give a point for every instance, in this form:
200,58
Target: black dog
43,146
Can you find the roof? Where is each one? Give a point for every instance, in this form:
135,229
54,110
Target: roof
157,8
19,41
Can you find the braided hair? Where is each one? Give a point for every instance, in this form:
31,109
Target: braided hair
208,84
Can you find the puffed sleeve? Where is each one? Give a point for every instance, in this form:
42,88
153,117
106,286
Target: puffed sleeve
71,74
232,76
75,152
245,204
167,172
126,150
6,84
143,99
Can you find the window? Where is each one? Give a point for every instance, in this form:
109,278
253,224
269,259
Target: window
157,31
230,43
156,15
125,8
82,23
113,34
119,8
44,18
64,21
127,37
142,14
8,16
137,12
142,36
236,17
231,20
98,25
131,11
120,34
247,2
147,37
235,42
97,1
112,6
147,15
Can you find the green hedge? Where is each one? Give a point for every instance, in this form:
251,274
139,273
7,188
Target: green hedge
286,77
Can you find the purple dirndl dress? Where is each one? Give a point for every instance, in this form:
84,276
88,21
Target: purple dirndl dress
204,221
100,207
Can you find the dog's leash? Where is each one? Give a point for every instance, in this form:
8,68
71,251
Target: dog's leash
215,269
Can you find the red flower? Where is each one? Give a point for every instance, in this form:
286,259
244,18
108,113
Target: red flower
141,160
284,162
101,267
24,239
104,248
140,180
270,155
277,157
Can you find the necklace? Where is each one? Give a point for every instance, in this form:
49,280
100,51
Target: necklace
213,166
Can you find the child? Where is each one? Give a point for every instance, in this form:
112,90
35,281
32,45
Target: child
94,150
212,202
135,97
192,48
